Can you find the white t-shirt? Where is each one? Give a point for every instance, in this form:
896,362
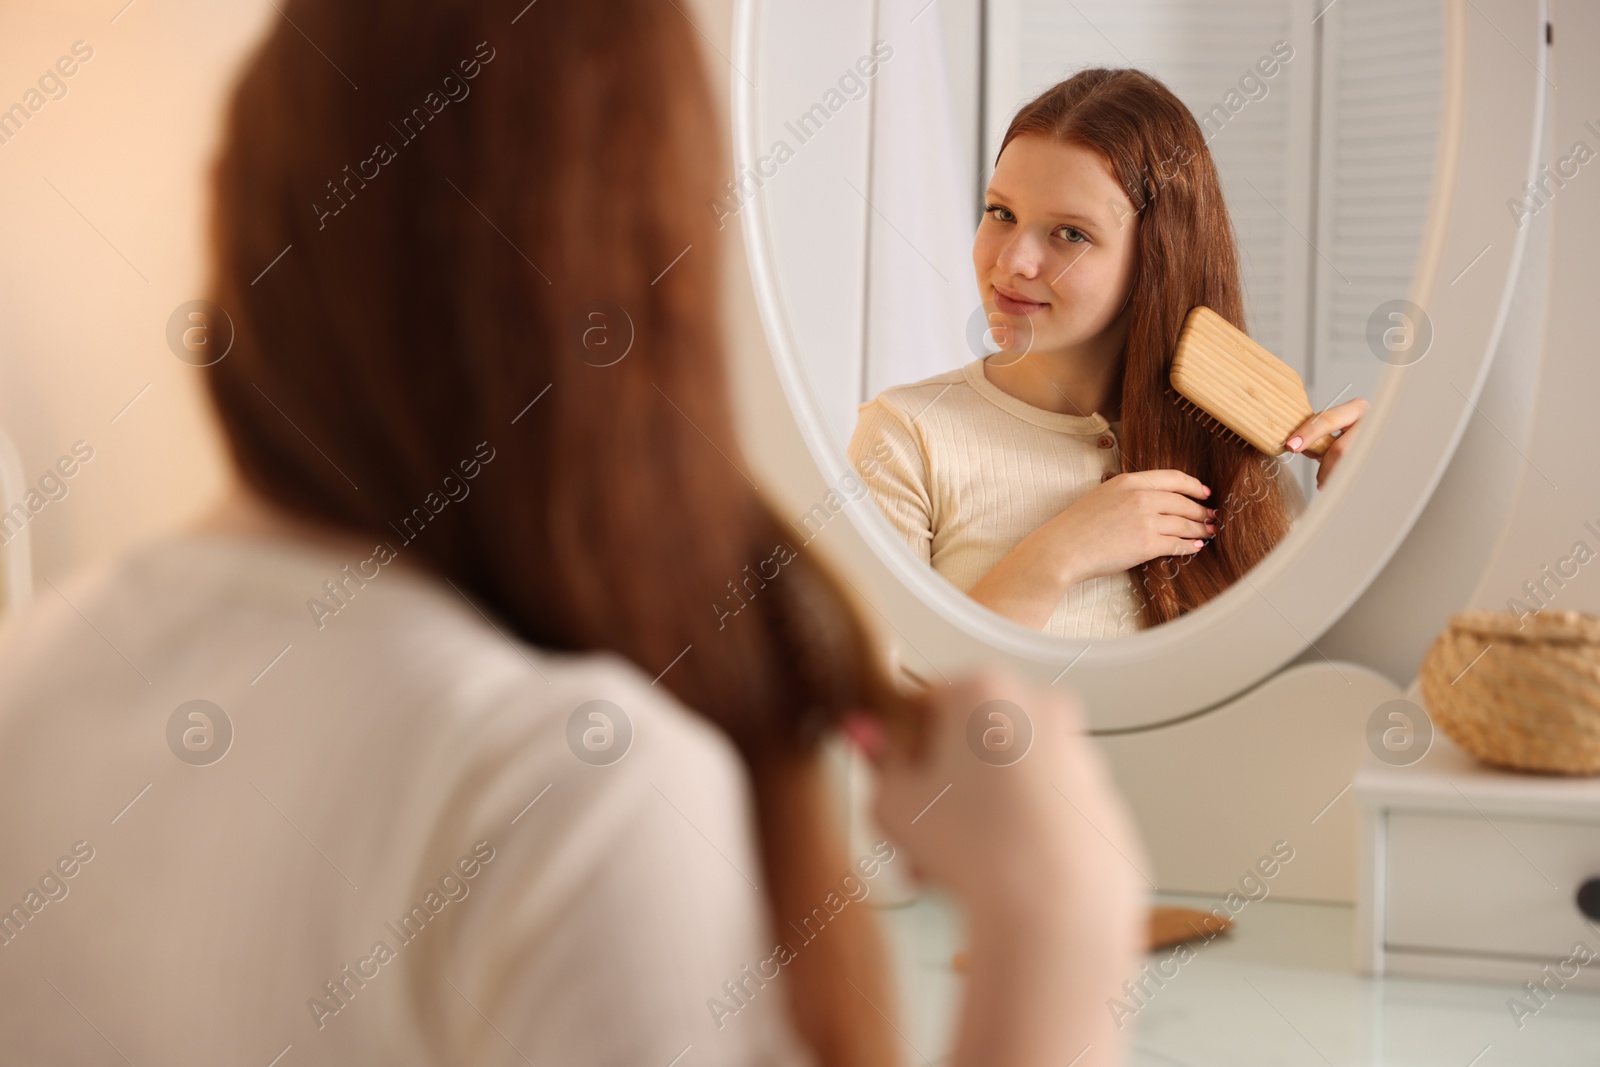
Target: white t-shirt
400,859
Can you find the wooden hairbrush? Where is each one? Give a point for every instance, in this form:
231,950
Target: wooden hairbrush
1167,927
1236,388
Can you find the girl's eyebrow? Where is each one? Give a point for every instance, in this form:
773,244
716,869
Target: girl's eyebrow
1073,216
993,195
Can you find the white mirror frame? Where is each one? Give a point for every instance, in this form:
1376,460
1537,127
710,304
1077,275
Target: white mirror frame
1487,150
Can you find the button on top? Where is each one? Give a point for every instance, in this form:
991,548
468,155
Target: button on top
1106,440
1108,475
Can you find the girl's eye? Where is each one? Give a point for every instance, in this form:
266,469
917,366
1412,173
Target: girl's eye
1073,234
998,213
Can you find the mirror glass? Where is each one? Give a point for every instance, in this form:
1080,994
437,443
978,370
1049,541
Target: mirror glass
964,325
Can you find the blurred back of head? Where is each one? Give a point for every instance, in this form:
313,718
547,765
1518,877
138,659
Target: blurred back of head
474,216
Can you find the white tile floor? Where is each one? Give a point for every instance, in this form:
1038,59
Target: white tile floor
1280,990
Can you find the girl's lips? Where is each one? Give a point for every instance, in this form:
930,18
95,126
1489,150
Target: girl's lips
1015,306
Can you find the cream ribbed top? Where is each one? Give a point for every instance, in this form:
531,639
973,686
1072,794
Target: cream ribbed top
965,471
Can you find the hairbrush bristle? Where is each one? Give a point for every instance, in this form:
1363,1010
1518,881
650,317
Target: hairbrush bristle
1206,420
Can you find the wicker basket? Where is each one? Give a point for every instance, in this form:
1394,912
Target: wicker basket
1521,695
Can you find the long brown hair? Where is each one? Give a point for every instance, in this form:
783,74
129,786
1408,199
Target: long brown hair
417,220
1186,257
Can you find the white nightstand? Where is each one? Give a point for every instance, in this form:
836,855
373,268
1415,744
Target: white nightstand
1474,873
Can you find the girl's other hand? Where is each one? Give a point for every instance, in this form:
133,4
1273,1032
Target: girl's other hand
1343,419
1131,519
1005,799
1008,804
1119,524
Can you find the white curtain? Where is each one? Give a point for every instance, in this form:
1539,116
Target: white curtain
920,290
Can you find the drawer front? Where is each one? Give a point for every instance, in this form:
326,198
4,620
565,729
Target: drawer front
1461,883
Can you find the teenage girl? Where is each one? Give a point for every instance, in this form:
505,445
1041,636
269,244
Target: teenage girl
525,797
1056,481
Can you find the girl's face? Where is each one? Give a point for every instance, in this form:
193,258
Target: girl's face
1056,249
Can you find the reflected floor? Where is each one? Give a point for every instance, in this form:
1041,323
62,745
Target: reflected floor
1282,990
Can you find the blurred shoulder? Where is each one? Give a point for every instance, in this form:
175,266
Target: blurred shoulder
593,727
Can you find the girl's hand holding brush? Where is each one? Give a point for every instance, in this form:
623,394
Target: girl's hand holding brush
1342,420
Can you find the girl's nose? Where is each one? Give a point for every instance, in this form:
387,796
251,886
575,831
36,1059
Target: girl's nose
1020,256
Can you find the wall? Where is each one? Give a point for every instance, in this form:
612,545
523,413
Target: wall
1391,627
102,192
1561,481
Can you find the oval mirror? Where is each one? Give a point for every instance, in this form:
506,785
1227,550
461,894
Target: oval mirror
1366,173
